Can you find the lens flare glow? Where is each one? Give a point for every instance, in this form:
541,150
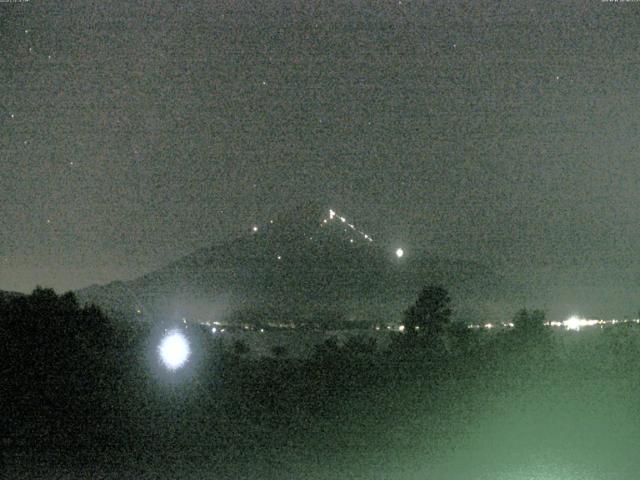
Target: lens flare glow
576,323
174,350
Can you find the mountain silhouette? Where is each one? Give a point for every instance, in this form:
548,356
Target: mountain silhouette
307,264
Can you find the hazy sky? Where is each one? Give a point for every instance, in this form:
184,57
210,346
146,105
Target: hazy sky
132,133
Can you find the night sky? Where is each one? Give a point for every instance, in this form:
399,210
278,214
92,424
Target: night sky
132,133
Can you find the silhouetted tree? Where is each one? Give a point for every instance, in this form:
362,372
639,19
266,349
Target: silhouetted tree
58,364
431,313
529,323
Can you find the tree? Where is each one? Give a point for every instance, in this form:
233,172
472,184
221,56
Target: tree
529,323
59,365
431,313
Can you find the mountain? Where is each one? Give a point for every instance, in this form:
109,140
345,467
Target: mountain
310,264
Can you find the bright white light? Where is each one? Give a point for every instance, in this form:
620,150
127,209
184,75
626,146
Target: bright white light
254,228
174,350
576,323
401,328
399,253
214,330
572,323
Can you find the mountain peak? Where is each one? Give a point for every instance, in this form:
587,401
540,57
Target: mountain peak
313,218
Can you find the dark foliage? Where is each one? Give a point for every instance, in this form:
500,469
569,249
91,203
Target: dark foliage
431,313
76,378
59,366
529,323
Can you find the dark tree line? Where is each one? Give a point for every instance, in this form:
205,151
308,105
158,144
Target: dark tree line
69,372
58,365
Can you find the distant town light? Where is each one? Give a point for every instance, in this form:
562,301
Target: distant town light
399,253
572,323
576,323
254,228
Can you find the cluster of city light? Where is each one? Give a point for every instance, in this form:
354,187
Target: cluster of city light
574,323
333,215
490,325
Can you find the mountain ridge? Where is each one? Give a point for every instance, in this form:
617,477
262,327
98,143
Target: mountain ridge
299,264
